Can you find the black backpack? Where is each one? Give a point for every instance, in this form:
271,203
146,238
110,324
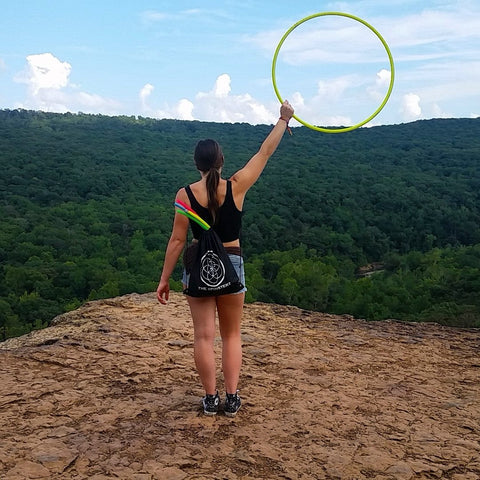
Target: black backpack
211,270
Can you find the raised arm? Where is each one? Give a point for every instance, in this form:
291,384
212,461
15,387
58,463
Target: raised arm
248,175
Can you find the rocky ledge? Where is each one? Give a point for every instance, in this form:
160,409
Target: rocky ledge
110,391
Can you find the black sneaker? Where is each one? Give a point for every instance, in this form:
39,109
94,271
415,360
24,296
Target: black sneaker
210,404
232,404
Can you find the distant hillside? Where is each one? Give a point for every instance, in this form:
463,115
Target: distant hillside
86,210
386,188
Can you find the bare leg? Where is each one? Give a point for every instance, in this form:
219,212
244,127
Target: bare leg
230,309
203,314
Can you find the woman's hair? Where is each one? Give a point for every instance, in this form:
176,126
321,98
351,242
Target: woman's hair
208,158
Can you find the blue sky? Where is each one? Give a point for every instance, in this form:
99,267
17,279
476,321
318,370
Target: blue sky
211,61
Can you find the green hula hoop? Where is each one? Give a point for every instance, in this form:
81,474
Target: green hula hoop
390,58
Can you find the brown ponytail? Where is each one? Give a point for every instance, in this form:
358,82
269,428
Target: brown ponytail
209,159
213,179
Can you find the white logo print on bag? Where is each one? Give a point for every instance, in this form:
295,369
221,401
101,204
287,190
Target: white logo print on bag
212,270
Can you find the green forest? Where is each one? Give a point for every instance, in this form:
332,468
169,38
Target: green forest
86,208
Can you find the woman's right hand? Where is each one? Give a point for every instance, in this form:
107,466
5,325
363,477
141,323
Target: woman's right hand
163,291
286,111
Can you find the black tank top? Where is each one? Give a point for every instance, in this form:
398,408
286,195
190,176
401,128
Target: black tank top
229,218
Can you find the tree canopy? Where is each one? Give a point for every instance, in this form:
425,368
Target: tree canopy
86,212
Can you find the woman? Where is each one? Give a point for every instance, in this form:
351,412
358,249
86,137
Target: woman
219,202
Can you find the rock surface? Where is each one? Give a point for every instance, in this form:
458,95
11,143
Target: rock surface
110,391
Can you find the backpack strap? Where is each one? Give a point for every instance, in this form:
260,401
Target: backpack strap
190,194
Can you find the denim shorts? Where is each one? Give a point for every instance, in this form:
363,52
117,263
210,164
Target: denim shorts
237,262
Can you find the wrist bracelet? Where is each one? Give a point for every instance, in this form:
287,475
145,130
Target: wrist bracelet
288,127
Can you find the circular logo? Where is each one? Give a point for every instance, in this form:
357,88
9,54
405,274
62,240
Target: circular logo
212,270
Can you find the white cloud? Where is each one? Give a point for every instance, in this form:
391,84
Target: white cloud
327,40
49,88
334,88
382,82
219,105
222,86
145,92
411,109
45,102
435,47
91,102
433,27
383,78
192,11
297,100
185,109
320,113
437,112
152,16
44,71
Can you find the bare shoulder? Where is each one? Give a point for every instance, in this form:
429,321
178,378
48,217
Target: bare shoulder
182,195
